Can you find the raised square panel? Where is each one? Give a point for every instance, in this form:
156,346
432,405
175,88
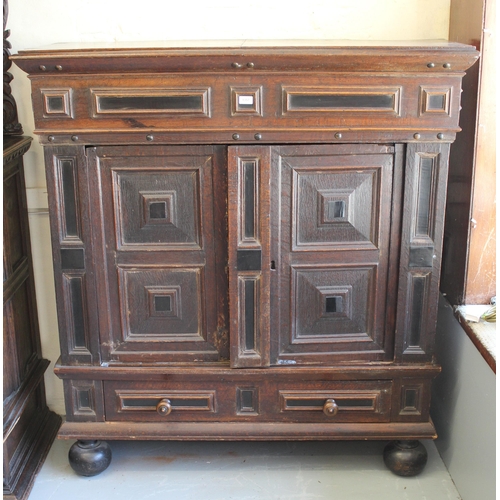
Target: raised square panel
331,303
164,303
57,103
157,209
336,209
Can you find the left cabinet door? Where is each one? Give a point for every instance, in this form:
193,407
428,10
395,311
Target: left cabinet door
159,231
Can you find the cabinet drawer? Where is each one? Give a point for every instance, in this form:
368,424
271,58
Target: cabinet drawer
368,401
133,403
258,399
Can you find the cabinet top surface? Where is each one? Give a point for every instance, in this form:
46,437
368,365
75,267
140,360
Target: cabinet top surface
266,44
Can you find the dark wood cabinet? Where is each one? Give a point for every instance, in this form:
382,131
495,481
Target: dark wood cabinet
29,427
247,239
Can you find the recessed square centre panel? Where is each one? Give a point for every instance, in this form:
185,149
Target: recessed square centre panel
157,209
335,208
163,303
331,303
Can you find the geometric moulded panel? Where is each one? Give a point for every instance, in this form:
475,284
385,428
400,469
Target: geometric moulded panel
57,103
336,208
157,209
162,303
151,101
68,194
74,289
83,399
310,99
435,100
411,399
247,401
427,168
332,303
418,293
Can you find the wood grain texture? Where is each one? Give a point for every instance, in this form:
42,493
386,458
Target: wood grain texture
235,431
255,268
29,427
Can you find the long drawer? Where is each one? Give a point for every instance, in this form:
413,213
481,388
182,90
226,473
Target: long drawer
340,401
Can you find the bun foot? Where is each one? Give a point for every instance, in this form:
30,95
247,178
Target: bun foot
89,458
405,458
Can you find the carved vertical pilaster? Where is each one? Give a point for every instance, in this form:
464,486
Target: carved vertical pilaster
10,124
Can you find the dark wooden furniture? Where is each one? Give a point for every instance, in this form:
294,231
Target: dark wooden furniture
29,427
247,237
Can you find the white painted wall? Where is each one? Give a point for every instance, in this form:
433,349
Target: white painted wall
463,410
35,23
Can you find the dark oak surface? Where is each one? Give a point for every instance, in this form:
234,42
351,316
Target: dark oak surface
29,427
247,237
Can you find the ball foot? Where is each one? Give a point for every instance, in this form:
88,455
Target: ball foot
405,458
89,458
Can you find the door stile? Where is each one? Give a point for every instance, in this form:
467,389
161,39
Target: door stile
249,255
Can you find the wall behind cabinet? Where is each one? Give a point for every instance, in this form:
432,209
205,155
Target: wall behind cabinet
34,24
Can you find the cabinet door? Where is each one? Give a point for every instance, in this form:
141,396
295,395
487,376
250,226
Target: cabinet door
159,233
331,222
309,245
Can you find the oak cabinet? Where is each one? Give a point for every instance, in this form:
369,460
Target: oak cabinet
247,240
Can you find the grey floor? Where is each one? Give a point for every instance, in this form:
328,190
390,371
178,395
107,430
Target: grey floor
253,470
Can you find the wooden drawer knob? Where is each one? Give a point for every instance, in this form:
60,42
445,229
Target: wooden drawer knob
164,407
330,408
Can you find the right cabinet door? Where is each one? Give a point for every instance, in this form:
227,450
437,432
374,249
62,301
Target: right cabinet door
331,213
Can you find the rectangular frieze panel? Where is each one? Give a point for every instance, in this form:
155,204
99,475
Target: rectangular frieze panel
331,99
151,101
